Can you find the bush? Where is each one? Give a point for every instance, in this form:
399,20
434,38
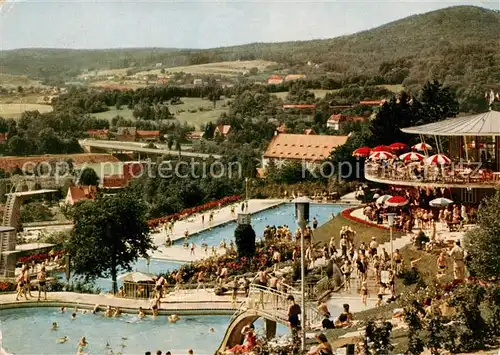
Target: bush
220,291
244,236
409,277
421,240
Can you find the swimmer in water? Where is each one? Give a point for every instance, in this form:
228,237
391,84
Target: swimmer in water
82,345
62,340
73,316
108,312
62,309
54,326
212,330
96,309
117,312
141,314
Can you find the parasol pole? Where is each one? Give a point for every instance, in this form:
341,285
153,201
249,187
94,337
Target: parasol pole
422,140
466,150
437,144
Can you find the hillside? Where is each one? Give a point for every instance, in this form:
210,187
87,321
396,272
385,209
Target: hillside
459,45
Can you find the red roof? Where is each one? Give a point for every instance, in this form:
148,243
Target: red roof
148,133
275,77
372,102
223,129
335,118
309,131
298,106
78,193
3,137
97,132
114,181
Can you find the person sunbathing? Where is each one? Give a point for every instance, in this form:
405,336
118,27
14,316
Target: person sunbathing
249,344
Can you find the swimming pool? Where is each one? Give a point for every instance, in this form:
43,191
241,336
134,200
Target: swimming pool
278,216
155,267
26,331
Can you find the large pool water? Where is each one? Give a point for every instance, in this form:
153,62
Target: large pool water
28,332
278,216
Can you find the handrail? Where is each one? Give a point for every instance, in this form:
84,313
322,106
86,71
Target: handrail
267,299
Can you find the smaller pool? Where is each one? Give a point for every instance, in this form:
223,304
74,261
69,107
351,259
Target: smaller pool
26,331
155,267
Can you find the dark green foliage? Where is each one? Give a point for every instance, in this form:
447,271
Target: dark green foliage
483,242
409,277
244,237
378,338
35,212
109,235
421,240
87,177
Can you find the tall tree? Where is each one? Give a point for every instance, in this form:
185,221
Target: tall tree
88,176
483,242
435,103
108,236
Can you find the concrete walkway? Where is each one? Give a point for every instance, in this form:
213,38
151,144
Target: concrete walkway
194,226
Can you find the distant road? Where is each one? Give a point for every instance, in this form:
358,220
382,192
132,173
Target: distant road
139,147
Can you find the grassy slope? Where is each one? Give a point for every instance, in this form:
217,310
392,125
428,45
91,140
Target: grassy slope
424,39
195,119
15,110
363,232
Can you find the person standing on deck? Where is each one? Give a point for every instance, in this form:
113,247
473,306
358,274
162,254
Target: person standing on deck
42,283
458,255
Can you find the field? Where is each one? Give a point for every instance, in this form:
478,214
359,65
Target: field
191,118
15,110
320,93
8,80
222,68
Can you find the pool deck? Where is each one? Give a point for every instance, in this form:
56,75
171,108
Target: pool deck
194,226
184,302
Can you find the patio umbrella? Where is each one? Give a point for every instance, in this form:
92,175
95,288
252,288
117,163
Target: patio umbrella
381,148
398,146
421,147
441,201
381,200
438,159
381,156
411,156
376,196
135,277
396,201
362,152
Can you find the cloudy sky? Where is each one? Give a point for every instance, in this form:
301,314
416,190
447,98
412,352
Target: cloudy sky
194,24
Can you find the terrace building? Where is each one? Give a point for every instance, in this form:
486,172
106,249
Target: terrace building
306,148
222,130
80,193
467,160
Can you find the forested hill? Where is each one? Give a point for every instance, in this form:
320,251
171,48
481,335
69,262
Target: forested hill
460,45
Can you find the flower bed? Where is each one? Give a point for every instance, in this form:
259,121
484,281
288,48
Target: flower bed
347,214
6,286
193,210
38,257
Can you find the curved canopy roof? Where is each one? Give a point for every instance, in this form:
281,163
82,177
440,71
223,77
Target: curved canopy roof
483,124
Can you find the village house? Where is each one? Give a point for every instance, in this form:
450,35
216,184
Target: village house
294,77
222,130
147,136
372,102
337,121
3,137
306,148
126,134
195,135
80,193
309,131
98,133
197,82
275,80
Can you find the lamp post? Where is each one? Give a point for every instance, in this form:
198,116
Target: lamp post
246,189
390,221
302,215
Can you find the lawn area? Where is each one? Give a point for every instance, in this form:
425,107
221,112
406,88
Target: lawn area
15,110
8,80
364,232
234,68
317,93
189,103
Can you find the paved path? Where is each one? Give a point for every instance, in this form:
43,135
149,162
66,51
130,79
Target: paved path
194,226
184,300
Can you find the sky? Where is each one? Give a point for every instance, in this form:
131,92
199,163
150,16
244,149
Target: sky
195,24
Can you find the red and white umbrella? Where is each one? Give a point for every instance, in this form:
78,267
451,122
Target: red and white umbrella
382,148
396,201
411,156
381,156
421,147
362,152
438,159
398,146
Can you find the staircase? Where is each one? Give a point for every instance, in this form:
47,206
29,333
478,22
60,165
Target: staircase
5,237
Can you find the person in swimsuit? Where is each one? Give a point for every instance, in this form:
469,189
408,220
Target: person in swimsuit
398,259
42,283
442,264
346,270
324,347
323,309
250,341
21,290
364,292
294,311
81,346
